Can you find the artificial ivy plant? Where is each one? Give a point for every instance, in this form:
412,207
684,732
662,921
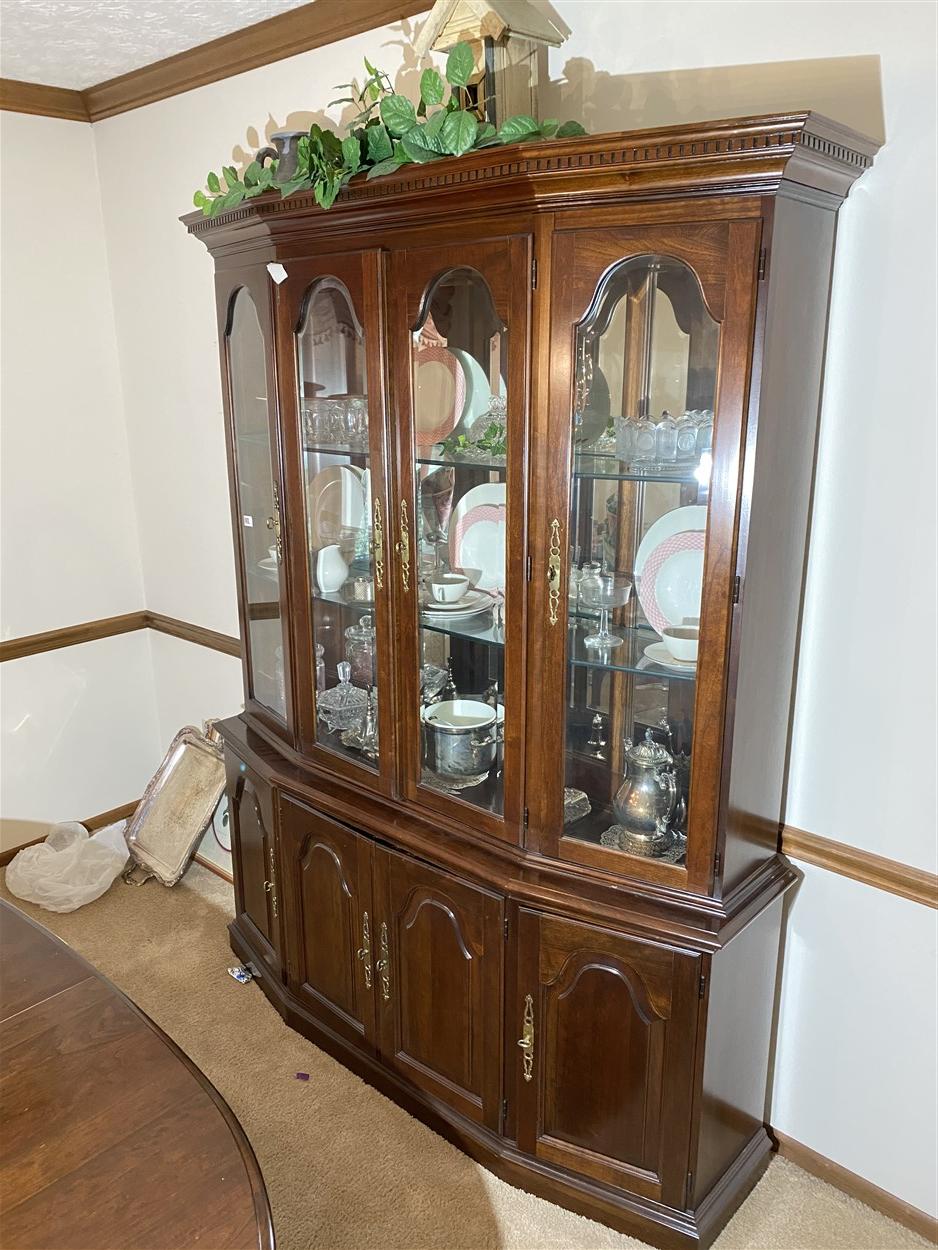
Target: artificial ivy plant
388,132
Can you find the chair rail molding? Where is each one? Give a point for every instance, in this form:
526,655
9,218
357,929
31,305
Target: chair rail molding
849,861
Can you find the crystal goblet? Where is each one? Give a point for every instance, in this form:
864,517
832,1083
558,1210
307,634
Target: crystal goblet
606,591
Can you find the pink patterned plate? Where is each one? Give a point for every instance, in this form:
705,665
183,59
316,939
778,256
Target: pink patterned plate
439,395
670,584
477,541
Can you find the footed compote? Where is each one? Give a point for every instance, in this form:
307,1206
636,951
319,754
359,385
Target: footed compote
606,591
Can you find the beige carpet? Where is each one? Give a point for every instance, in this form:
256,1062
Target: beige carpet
344,1167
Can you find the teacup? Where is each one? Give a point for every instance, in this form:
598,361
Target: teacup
447,587
681,641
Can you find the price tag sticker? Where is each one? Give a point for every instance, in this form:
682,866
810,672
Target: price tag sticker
248,522
277,272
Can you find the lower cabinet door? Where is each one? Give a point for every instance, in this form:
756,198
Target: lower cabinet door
438,983
330,924
254,860
606,1026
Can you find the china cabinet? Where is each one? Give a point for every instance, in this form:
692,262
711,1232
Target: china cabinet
521,448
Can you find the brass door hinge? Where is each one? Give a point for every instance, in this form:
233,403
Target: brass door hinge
533,273
762,259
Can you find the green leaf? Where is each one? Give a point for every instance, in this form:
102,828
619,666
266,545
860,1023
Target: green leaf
398,114
432,87
435,124
252,174
370,68
325,191
460,65
212,182
549,128
351,150
231,176
569,129
379,143
419,147
458,132
513,129
384,167
200,199
487,134
294,185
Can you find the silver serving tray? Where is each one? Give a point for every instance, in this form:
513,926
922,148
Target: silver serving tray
176,807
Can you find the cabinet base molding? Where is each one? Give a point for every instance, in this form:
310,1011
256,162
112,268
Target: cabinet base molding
649,1221
857,1187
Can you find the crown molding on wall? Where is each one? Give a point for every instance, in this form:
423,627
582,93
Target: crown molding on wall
287,34
36,98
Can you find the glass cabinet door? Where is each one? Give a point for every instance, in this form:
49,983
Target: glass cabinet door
460,525
336,418
637,573
258,517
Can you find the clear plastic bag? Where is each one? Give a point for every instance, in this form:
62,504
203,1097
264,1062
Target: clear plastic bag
70,868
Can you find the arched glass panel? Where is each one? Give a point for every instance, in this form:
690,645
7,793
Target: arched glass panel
259,503
646,357
332,394
459,362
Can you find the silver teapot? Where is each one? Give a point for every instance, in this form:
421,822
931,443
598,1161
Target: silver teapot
646,799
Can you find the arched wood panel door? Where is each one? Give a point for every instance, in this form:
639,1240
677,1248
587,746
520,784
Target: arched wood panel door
438,982
603,1077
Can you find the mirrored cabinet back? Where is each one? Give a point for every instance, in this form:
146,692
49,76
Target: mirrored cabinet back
521,453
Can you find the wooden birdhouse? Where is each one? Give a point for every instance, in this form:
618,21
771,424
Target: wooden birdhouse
509,38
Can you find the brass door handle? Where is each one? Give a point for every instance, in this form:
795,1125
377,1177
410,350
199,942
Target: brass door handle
403,546
383,966
378,526
273,522
364,953
270,887
553,573
526,1040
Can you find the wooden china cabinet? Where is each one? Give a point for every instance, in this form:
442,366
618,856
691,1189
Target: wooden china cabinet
511,857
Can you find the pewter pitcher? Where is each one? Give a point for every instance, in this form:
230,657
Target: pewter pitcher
645,801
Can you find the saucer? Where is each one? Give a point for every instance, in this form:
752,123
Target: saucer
473,600
658,653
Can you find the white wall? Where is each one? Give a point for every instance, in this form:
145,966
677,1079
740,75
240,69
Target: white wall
862,753
78,725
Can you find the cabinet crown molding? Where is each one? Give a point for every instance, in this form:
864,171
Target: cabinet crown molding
741,155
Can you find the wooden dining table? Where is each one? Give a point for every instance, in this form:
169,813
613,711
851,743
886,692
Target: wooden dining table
110,1137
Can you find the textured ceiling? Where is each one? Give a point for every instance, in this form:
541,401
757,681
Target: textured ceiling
65,43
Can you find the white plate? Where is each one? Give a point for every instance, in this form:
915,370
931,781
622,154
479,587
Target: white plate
336,504
670,585
269,564
444,617
472,600
693,517
478,541
658,653
478,390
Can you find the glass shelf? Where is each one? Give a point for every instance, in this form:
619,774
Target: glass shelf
441,462
609,468
336,449
629,658
479,628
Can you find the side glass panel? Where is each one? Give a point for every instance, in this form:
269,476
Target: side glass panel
333,406
258,503
645,378
459,360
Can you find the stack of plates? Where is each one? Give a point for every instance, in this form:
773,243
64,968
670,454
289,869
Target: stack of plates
658,653
471,604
